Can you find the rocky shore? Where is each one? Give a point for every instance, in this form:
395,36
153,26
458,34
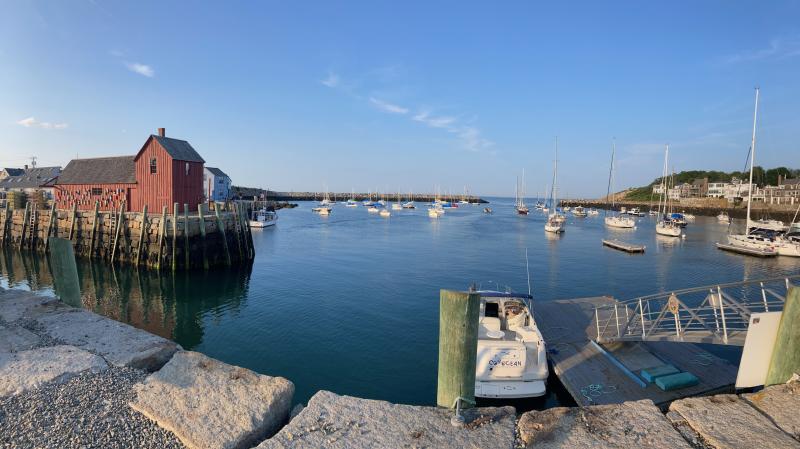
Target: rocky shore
73,379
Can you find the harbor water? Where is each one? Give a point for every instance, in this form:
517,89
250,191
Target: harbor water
349,302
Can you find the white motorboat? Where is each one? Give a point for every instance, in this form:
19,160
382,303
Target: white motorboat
384,213
397,206
750,243
723,218
615,221
351,203
579,211
668,225
512,355
435,211
566,208
263,218
623,210
554,225
373,210
322,210
593,212
409,205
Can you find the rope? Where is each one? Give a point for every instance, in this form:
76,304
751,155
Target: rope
592,391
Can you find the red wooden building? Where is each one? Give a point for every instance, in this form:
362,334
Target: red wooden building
164,171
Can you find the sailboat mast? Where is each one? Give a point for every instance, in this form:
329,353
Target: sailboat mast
555,180
664,185
752,164
611,176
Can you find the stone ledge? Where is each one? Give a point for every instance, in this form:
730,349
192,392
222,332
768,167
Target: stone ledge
212,405
334,421
120,344
781,403
22,371
16,338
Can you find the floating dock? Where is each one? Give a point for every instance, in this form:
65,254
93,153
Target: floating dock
747,251
622,246
611,373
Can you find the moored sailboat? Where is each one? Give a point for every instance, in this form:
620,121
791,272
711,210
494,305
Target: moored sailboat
615,221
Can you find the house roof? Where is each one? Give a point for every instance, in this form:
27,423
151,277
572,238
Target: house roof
101,170
30,178
791,182
14,171
180,150
217,172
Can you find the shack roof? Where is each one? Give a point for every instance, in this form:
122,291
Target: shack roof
180,150
217,172
30,178
100,170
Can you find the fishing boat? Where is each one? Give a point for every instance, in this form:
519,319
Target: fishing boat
750,243
519,196
384,213
512,356
679,219
666,225
579,211
723,218
636,212
555,222
615,221
263,218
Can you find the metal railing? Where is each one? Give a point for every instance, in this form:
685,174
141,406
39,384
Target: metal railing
718,314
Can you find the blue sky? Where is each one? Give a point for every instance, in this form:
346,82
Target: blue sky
405,95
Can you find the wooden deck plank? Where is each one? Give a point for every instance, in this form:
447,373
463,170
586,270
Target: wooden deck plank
592,378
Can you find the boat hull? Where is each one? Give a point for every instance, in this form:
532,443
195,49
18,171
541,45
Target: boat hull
262,224
618,222
510,389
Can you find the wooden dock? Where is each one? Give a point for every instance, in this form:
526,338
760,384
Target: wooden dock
593,377
622,246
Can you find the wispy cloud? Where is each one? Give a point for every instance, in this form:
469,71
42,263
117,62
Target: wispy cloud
388,107
31,122
141,69
469,135
331,81
434,122
778,48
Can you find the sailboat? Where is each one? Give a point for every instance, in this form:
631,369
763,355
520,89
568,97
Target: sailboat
788,243
615,221
666,225
398,205
555,222
521,208
352,201
753,244
327,200
410,203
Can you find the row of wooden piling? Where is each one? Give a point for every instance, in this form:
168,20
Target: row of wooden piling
241,230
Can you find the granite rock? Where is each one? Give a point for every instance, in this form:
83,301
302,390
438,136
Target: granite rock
781,403
631,424
212,405
16,338
333,421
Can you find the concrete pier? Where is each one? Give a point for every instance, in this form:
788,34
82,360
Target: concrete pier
71,379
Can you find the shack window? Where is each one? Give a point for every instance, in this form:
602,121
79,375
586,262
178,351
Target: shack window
97,191
153,166
187,169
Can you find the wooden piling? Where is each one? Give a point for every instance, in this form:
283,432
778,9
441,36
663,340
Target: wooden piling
72,220
161,230
24,223
221,226
120,218
142,231
94,229
202,219
785,360
6,227
175,237
458,345
53,218
186,236
248,234
238,229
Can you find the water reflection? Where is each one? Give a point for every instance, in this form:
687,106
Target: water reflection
166,304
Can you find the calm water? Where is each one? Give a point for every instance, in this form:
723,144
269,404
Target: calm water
349,302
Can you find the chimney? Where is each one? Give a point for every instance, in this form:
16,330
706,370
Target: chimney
162,132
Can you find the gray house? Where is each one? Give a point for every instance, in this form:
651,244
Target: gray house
29,180
216,184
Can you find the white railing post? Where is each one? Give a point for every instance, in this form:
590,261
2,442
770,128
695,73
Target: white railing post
722,312
616,318
641,315
714,308
627,323
764,297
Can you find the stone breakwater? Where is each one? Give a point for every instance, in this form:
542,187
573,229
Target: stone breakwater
73,379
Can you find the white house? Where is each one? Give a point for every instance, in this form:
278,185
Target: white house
216,184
